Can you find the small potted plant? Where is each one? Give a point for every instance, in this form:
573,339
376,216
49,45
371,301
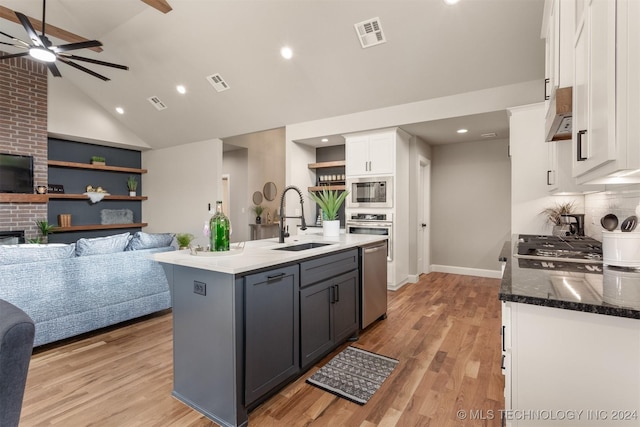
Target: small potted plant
45,228
258,211
184,240
132,185
329,202
554,217
98,160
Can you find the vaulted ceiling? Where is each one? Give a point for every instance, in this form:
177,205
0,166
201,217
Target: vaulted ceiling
431,50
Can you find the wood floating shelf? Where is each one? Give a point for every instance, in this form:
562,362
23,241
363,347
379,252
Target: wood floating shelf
321,165
75,165
23,198
98,227
340,187
83,197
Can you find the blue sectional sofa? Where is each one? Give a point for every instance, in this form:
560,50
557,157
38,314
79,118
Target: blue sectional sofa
71,289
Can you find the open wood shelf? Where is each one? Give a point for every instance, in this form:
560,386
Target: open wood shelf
333,164
23,198
83,197
340,187
75,165
98,227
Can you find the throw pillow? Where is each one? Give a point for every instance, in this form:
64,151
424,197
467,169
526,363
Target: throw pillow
23,253
102,245
142,240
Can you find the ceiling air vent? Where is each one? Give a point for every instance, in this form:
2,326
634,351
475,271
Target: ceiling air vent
218,82
155,101
370,32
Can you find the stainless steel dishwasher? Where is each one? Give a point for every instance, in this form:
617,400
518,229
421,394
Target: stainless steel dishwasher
373,283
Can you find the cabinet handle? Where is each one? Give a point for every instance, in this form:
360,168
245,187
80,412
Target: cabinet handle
337,293
275,276
549,177
502,363
581,158
503,344
546,83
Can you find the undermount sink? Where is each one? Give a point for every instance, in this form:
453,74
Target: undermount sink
302,246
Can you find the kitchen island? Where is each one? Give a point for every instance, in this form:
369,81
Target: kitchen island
247,322
570,342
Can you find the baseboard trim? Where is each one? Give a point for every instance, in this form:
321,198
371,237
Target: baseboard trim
413,278
465,271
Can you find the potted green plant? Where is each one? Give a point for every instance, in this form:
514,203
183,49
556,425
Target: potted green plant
184,240
554,217
329,202
98,160
45,228
258,211
132,185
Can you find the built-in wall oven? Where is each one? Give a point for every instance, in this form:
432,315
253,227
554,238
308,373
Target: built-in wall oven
370,192
368,223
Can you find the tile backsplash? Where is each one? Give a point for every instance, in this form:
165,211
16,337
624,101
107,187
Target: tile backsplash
621,201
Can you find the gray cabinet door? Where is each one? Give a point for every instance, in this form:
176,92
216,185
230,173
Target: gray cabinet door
345,306
316,329
328,316
272,346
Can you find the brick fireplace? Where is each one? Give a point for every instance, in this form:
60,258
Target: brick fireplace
23,130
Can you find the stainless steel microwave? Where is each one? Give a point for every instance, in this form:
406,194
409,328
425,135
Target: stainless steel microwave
370,192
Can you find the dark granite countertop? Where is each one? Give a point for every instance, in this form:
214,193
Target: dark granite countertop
611,291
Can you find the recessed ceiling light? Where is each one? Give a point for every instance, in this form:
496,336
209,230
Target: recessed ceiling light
324,140
286,52
450,2
119,110
181,89
462,130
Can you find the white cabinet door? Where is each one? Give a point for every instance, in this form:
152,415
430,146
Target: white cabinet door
594,118
372,154
382,158
357,155
552,166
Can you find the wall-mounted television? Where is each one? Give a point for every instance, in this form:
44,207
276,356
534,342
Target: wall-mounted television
16,173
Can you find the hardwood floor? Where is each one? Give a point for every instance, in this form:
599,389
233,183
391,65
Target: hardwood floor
444,330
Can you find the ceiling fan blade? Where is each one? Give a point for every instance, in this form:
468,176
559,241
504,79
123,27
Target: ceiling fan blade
80,45
81,68
14,55
15,39
95,61
14,45
30,31
54,70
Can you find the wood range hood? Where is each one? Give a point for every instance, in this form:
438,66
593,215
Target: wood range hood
559,115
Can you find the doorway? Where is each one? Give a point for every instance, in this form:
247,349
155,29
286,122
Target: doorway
424,210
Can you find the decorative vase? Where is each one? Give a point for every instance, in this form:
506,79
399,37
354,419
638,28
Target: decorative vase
132,194
219,229
331,228
258,219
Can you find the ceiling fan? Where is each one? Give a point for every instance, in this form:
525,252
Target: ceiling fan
43,50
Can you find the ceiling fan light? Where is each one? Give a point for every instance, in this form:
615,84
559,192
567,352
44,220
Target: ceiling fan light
42,54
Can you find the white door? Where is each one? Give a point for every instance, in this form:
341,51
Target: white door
424,208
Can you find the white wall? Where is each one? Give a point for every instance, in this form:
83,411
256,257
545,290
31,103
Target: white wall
74,116
470,206
181,182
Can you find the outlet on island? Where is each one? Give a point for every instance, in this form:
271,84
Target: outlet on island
199,288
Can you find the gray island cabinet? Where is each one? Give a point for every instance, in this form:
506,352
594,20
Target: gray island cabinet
247,323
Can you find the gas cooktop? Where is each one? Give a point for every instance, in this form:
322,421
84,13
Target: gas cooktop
581,249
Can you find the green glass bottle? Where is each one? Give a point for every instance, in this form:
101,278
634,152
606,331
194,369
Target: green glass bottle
220,228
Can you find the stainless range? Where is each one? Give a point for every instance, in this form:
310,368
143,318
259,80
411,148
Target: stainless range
565,249
370,223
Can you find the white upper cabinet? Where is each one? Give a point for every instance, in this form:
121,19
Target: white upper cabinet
370,154
606,92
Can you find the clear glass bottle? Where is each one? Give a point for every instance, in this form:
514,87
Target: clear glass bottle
220,228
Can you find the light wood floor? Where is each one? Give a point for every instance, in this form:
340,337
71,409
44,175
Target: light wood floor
444,330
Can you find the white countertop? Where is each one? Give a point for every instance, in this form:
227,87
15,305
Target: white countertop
259,254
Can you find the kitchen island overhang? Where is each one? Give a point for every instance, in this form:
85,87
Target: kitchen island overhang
213,324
